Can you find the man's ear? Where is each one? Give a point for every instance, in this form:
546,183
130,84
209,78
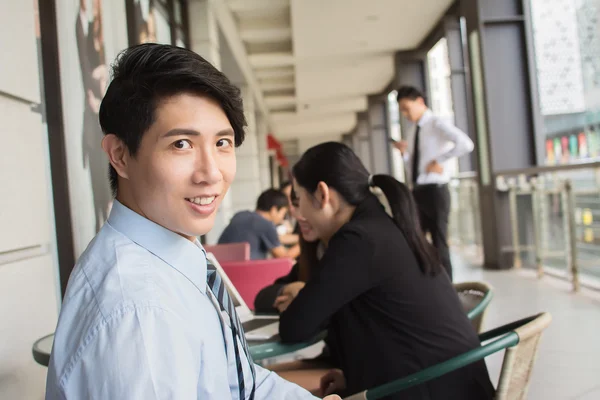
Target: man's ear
273,211
323,194
117,153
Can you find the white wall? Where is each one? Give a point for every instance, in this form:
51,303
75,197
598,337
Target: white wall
28,286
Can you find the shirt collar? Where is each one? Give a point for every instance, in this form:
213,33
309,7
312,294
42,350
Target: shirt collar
180,253
425,118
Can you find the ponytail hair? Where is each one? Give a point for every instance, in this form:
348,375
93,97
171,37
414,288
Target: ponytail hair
406,216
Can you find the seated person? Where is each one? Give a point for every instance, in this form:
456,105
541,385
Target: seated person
142,317
258,227
288,229
276,297
379,289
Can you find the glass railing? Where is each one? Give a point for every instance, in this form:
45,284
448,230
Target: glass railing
464,230
554,219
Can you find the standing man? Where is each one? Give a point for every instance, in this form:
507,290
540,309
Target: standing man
426,153
145,316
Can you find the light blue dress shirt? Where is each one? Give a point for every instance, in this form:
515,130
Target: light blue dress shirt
137,322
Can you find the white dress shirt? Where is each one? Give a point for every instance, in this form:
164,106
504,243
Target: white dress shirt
139,323
439,140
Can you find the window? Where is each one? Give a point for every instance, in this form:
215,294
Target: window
566,38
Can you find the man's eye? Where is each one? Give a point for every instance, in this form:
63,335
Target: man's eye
225,143
182,145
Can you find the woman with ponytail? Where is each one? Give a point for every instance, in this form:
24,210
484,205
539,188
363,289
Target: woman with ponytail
379,289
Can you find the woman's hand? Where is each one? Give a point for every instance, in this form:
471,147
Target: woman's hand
288,294
332,382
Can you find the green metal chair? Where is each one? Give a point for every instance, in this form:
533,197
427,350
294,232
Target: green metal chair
475,297
520,339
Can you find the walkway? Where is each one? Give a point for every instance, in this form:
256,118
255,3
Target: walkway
568,364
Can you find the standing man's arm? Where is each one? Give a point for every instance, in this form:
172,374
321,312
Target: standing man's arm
462,143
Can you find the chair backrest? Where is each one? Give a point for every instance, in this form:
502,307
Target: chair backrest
230,251
250,277
519,339
475,297
518,360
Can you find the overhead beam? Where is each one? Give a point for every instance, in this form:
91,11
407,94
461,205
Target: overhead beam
240,6
271,73
355,104
328,125
266,35
273,86
269,60
278,102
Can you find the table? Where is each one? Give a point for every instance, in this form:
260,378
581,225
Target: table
41,349
259,349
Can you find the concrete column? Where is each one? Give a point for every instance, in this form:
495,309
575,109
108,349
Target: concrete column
362,141
378,135
247,185
460,86
505,108
262,130
204,31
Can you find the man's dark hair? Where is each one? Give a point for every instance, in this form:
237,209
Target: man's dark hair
409,92
146,74
271,198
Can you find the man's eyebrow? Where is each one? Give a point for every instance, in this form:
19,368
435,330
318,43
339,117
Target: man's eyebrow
192,132
226,132
180,132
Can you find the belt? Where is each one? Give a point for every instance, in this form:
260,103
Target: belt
430,186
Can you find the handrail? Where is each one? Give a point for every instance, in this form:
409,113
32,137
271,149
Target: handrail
551,168
507,340
465,175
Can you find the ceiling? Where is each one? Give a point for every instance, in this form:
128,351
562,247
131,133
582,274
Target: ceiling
316,61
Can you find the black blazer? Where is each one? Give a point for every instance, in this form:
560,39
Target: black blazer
384,317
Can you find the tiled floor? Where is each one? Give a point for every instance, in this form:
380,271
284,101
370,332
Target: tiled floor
568,363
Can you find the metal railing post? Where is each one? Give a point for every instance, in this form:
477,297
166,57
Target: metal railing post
514,223
535,204
569,202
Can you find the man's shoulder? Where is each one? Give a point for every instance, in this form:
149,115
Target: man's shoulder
115,286
112,273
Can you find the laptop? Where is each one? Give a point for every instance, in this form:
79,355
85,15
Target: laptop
256,327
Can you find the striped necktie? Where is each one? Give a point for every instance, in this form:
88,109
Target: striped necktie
217,287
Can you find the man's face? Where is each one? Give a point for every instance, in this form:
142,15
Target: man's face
277,216
412,109
184,166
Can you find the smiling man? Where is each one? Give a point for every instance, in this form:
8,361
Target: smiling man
144,315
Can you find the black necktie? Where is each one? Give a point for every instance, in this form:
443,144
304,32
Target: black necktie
415,160
214,282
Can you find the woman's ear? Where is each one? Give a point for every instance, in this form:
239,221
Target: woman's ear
323,194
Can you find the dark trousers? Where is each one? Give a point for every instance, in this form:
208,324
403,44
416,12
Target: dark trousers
433,202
